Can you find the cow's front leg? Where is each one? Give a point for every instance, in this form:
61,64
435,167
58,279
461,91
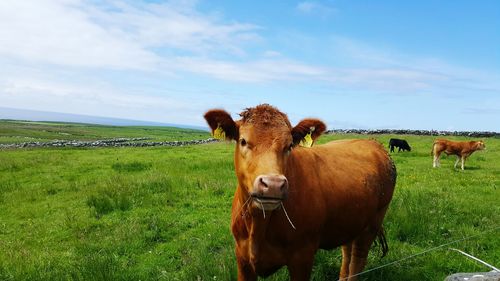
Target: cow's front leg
245,269
463,162
301,264
346,260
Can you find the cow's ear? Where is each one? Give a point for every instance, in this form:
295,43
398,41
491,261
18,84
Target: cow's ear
222,125
307,131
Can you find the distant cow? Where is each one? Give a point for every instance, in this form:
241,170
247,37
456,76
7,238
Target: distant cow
400,144
462,149
291,200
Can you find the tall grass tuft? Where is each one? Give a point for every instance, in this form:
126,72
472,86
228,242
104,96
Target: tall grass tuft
134,166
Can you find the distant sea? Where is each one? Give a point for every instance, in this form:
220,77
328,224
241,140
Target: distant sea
36,115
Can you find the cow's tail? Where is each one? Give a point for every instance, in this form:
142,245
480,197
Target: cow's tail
382,242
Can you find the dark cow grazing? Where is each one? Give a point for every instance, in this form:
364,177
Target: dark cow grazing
400,144
462,149
292,200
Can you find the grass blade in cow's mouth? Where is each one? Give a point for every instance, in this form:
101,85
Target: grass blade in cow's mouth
266,203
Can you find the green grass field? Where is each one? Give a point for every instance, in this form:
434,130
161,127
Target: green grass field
12,131
163,213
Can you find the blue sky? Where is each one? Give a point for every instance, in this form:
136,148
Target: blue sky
353,64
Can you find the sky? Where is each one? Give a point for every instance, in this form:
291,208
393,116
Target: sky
354,64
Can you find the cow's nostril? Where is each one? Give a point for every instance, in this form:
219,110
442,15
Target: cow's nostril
262,182
284,185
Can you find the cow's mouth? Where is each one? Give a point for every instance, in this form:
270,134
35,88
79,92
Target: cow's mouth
266,203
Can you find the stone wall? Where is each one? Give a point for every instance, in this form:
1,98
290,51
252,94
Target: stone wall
414,132
119,142
141,142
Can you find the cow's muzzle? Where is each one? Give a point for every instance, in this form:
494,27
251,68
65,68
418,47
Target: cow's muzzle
268,191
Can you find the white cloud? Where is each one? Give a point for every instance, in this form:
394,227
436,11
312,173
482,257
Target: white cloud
315,8
254,71
178,27
98,99
175,38
381,68
392,80
272,54
116,35
58,32
486,110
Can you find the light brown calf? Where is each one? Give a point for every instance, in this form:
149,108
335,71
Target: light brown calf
462,149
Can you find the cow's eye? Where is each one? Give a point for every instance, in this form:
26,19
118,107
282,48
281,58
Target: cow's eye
243,142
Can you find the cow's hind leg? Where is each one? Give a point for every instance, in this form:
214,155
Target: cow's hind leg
456,162
359,253
362,244
346,260
435,162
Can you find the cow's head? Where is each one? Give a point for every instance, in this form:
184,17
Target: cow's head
264,141
479,145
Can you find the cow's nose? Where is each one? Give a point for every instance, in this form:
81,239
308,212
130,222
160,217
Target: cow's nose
272,186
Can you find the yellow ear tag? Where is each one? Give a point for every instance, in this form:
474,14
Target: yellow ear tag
307,141
219,133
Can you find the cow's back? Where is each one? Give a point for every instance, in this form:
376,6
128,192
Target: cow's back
449,147
338,181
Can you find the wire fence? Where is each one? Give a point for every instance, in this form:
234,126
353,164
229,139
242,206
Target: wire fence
424,252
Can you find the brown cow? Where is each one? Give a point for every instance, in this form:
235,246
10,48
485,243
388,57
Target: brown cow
291,200
462,149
